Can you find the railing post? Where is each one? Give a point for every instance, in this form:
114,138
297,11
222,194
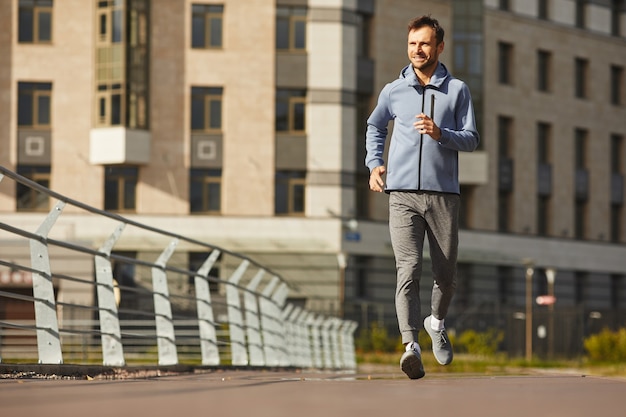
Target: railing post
112,348
334,337
279,298
270,324
239,356
253,328
326,344
166,338
290,339
305,350
46,320
315,324
206,321
347,343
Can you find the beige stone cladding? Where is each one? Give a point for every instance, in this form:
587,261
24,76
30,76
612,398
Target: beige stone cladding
526,106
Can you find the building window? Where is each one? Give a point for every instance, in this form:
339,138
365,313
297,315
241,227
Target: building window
206,25
364,38
544,71
617,187
34,105
505,63
363,267
28,199
35,21
290,190
580,287
120,185
291,29
580,13
582,183
205,190
617,290
290,111
617,84
467,202
617,223
504,5
616,13
206,109
505,173
122,63
544,178
543,9
580,77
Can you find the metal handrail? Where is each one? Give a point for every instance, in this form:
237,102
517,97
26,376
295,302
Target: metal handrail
250,326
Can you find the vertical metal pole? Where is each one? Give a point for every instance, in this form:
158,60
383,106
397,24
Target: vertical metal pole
305,339
112,348
253,328
550,275
326,343
334,337
315,324
529,310
166,338
349,334
270,324
46,320
290,340
280,298
206,321
239,355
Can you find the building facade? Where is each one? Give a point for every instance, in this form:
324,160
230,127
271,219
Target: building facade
242,124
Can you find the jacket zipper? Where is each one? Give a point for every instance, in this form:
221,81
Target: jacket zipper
419,168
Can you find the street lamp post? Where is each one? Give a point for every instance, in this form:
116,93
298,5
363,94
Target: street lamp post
529,309
550,276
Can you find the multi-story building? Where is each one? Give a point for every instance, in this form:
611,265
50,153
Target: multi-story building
242,124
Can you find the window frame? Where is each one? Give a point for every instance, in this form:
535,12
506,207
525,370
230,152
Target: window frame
208,95
36,201
293,15
505,63
292,98
286,183
207,12
203,178
38,9
35,91
122,176
616,86
544,71
581,77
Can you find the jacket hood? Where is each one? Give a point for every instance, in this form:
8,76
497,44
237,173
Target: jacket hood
437,79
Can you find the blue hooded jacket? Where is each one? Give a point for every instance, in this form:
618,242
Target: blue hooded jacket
417,162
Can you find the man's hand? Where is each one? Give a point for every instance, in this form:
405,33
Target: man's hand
425,125
376,181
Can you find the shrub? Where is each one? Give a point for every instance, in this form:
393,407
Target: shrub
376,338
480,343
607,346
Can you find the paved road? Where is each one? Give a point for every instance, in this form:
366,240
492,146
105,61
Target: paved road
303,394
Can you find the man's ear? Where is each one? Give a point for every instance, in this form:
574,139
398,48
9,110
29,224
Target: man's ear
440,46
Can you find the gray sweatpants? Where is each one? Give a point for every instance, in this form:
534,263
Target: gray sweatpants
412,215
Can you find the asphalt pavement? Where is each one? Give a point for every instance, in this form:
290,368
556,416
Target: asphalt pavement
296,393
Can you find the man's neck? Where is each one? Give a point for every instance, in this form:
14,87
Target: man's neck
423,76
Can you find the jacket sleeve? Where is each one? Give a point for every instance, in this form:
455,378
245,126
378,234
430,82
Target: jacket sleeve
376,133
465,137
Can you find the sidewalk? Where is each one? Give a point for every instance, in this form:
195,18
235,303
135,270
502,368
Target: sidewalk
263,393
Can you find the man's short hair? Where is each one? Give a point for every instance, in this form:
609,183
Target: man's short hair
426,20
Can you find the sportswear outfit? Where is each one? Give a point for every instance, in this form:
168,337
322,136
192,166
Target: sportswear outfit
422,183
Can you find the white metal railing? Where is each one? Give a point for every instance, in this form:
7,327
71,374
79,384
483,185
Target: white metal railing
248,323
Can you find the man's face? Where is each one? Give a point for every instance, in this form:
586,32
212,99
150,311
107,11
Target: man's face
422,48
